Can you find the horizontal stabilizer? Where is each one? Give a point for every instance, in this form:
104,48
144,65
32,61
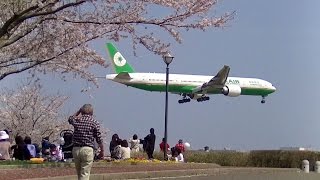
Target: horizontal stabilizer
123,75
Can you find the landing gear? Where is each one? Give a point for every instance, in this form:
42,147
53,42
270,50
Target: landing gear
184,100
263,100
203,98
188,97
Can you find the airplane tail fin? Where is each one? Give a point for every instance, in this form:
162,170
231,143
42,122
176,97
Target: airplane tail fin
119,63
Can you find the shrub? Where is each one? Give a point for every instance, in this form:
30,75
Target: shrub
265,158
223,158
261,158
282,159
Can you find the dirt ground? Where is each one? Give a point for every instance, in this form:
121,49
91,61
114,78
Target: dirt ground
28,173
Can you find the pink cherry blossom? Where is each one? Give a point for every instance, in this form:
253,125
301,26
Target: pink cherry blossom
51,36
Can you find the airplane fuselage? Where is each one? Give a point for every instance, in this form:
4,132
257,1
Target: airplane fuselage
181,83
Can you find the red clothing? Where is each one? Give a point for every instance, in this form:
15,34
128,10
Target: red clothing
162,146
180,146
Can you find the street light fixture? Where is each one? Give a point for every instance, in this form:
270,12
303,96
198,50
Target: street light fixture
167,58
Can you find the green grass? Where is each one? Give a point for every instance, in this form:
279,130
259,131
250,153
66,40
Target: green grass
269,158
14,162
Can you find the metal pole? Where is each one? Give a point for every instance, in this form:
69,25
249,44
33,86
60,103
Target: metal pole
166,116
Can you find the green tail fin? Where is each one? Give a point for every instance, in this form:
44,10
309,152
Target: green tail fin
120,64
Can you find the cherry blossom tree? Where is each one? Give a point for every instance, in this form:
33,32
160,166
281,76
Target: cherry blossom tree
52,35
27,110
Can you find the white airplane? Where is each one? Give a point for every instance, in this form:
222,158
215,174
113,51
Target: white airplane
188,86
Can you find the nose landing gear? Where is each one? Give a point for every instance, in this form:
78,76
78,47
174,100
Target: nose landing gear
263,100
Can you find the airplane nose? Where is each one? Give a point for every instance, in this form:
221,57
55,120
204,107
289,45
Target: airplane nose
273,88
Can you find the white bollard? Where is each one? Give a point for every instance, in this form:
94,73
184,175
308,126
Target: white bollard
317,167
305,166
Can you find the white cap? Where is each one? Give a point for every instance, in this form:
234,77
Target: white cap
3,135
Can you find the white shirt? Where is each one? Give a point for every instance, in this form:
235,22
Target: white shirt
32,149
125,152
135,145
180,158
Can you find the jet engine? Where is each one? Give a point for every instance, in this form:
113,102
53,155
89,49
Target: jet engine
231,90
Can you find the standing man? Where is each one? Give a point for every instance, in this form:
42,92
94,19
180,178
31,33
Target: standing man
162,146
86,129
150,142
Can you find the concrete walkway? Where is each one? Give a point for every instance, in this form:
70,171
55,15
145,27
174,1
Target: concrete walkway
221,173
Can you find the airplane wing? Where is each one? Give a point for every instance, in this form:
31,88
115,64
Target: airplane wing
216,82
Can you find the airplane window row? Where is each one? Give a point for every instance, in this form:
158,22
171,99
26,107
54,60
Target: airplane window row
172,80
193,81
158,80
254,82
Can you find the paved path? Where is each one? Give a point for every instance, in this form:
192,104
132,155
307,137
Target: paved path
209,174
243,176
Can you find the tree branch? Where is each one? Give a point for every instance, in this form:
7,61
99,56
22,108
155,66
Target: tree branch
16,20
4,29
55,11
12,40
15,63
49,59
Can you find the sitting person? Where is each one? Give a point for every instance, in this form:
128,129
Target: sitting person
66,144
56,152
20,150
174,154
179,157
180,145
38,150
135,147
116,153
113,143
125,150
4,146
45,145
31,147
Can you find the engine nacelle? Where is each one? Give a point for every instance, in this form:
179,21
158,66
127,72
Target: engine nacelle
231,90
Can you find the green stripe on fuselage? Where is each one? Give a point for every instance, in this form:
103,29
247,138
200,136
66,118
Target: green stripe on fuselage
188,89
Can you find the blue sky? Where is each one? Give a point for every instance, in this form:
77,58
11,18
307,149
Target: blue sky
273,40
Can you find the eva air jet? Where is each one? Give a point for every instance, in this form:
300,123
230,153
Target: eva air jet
196,87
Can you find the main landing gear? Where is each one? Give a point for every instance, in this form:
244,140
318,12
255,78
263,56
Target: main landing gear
203,98
184,99
192,96
263,100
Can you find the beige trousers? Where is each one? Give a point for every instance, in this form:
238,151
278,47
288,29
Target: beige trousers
83,159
